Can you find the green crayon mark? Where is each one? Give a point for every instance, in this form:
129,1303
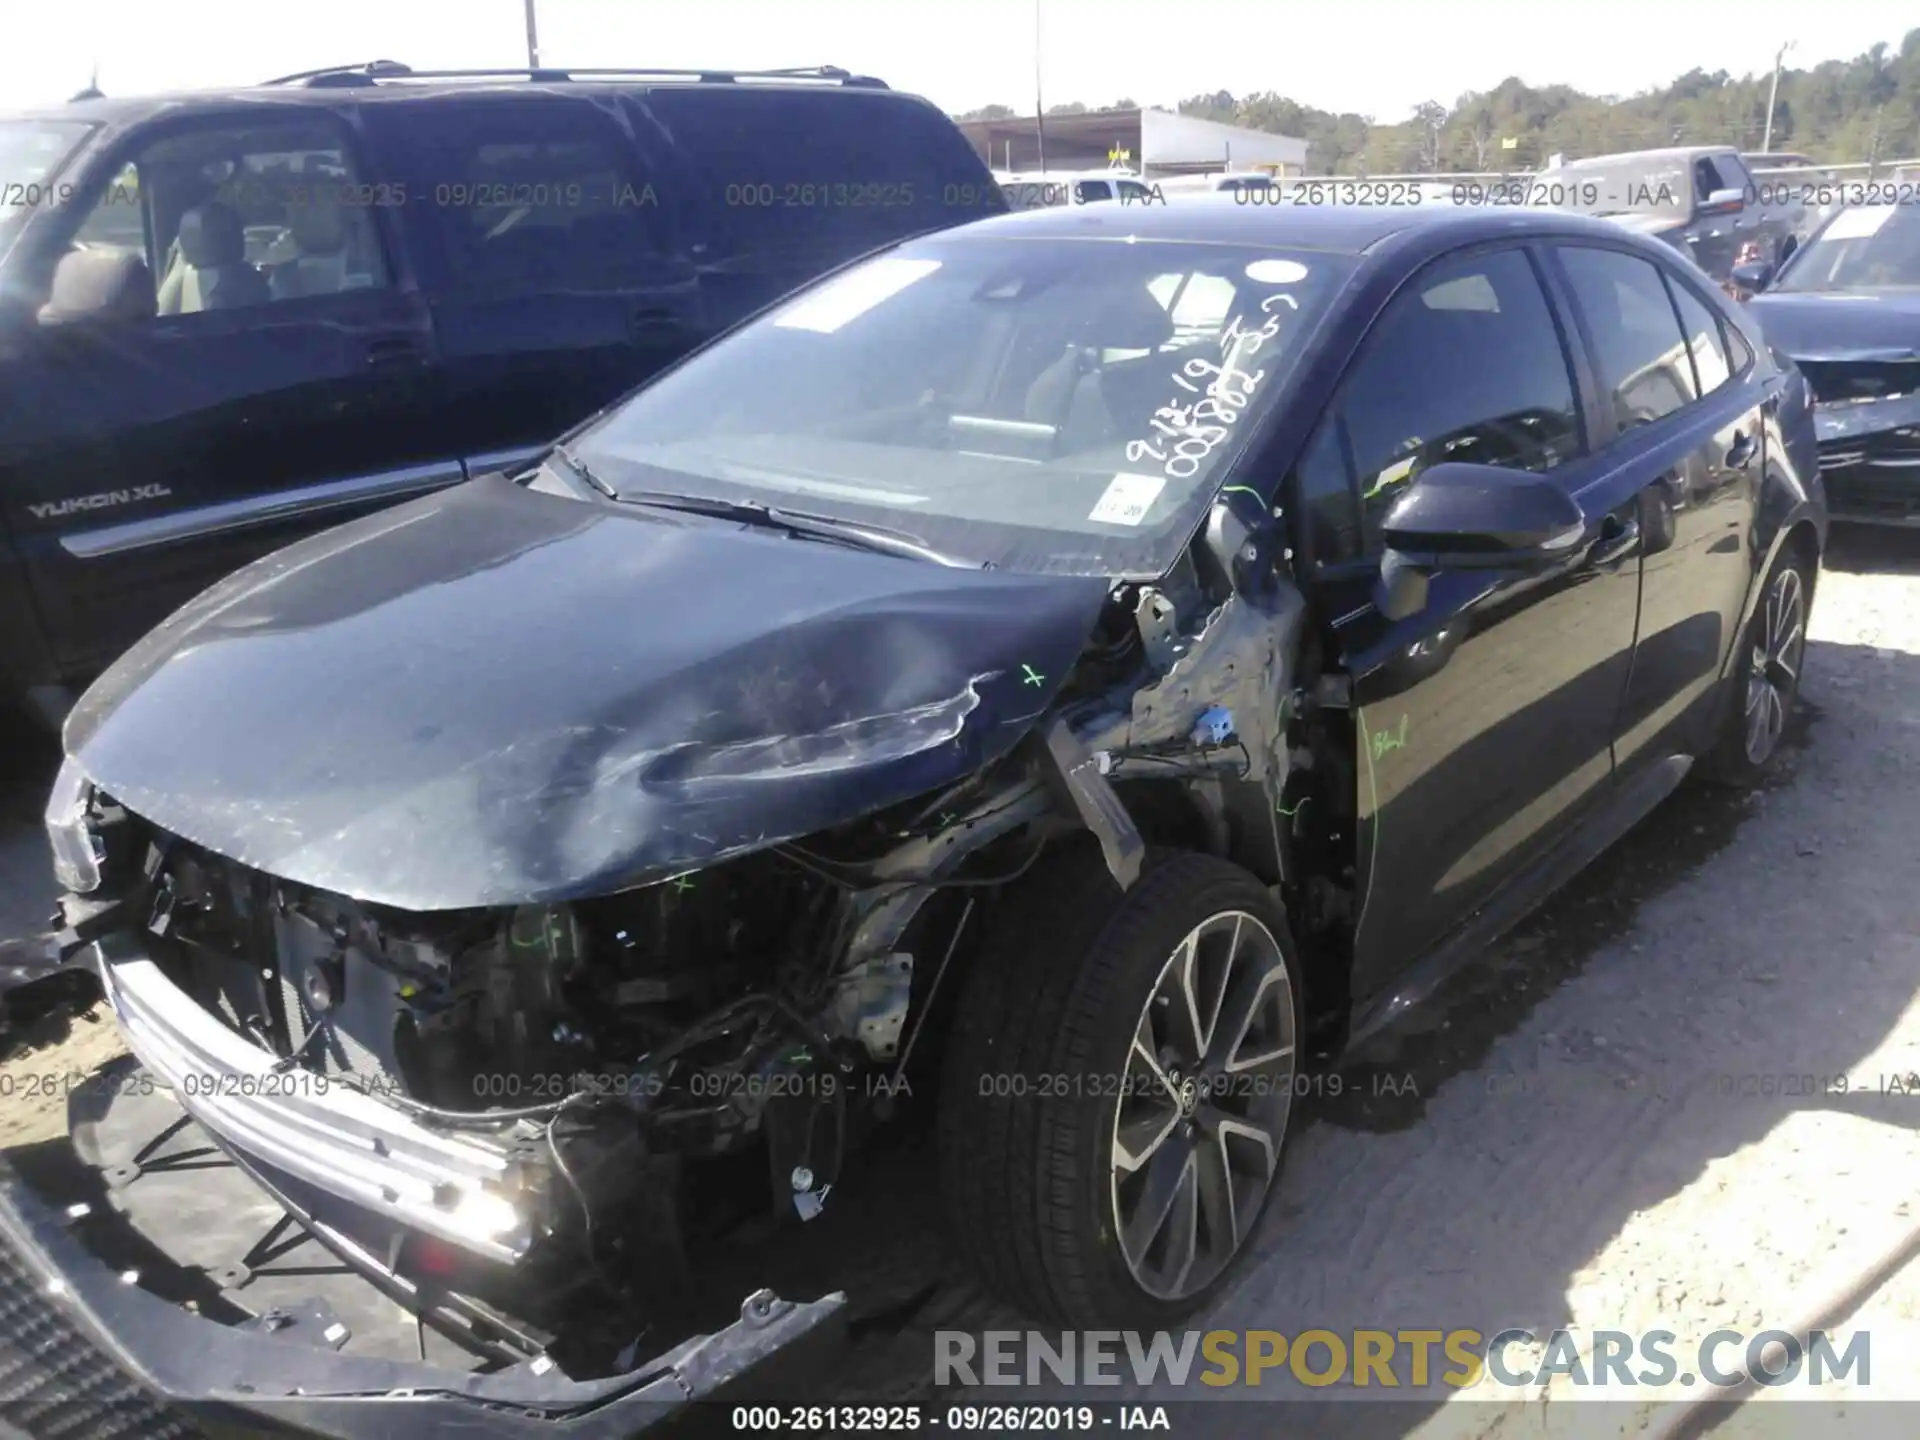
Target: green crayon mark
1032,676
683,883
1241,490
1384,740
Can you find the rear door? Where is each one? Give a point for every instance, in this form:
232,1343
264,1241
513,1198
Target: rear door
147,452
790,183
551,257
1682,431
1484,721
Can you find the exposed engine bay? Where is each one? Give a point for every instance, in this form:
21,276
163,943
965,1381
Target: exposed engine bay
606,1095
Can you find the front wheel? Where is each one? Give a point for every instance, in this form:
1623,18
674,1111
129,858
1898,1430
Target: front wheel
1766,677
1119,1086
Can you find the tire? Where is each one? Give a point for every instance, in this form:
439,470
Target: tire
1766,674
1044,1087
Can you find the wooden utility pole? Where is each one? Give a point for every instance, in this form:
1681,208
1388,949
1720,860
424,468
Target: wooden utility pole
533,40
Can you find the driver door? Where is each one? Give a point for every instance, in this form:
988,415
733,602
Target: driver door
146,452
1483,722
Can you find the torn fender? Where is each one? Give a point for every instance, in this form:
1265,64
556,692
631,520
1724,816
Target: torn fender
493,696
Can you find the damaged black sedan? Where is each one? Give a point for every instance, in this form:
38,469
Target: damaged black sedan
1086,666
1846,310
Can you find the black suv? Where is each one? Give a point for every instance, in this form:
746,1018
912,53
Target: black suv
229,319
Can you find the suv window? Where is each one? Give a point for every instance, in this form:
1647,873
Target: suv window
530,196
1466,364
229,216
795,171
1702,328
1642,355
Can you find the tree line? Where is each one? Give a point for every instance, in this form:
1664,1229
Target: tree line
1837,112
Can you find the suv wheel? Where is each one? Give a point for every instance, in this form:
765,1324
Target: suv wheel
1766,677
1118,1087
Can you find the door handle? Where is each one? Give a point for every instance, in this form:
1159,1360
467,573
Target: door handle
395,351
1618,539
1744,444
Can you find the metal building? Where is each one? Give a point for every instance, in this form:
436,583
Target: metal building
1156,143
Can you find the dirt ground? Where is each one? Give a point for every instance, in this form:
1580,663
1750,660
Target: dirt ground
1677,1098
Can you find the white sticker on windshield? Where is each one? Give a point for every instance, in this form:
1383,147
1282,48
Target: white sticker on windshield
1276,272
1127,499
850,296
1858,221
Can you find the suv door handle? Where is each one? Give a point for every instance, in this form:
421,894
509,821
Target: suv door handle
1744,444
395,351
1618,539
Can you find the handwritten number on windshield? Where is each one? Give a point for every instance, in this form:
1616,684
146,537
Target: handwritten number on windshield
1200,427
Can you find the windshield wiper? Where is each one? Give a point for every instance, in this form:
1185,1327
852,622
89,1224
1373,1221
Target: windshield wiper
798,523
579,467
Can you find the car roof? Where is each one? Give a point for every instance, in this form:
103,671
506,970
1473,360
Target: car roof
1219,218
115,110
1671,152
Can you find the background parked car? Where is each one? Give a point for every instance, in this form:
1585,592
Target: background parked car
1701,200
239,316
1846,309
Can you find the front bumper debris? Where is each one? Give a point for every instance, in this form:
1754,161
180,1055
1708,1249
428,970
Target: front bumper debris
1870,461
325,1134
92,1347
85,1350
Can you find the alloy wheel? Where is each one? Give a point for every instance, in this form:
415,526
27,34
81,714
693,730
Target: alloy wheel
1773,670
1203,1105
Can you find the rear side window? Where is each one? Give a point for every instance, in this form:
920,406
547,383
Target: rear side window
529,196
1702,328
837,170
1466,364
1638,346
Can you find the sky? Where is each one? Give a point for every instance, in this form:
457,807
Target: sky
1376,57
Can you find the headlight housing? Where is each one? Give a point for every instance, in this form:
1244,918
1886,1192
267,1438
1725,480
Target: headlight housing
77,848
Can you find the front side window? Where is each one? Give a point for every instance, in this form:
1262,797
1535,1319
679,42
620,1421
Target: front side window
235,216
1045,405
1465,365
32,154
1638,344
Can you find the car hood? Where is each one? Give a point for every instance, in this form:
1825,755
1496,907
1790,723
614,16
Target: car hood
1841,325
493,696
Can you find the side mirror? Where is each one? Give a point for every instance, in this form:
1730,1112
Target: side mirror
1727,201
109,285
1754,276
1472,517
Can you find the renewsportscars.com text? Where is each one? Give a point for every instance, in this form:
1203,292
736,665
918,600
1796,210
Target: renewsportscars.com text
1513,1358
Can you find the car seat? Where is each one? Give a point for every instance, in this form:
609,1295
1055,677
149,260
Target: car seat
213,273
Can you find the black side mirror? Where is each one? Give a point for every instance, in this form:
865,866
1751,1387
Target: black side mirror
1472,517
1754,276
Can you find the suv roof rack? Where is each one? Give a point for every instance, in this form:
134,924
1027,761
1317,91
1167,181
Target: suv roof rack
371,72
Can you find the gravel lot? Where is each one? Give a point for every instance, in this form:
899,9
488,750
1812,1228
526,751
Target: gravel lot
1577,1144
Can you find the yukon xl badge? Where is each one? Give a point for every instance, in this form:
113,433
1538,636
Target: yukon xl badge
105,500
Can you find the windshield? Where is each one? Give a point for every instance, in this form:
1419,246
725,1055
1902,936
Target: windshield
1051,406
31,154
1625,186
1864,247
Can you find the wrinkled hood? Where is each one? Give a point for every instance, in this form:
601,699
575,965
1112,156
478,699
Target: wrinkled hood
1841,325
491,696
